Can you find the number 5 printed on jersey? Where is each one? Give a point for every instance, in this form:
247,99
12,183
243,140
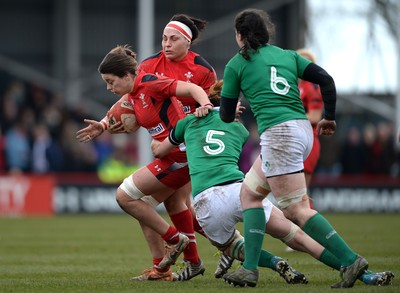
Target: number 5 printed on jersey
210,139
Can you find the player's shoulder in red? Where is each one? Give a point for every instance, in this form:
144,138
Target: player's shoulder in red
150,62
199,61
151,58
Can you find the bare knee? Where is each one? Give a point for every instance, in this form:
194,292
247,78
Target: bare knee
175,205
126,203
299,213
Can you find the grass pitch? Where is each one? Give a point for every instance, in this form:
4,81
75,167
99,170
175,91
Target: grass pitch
99,253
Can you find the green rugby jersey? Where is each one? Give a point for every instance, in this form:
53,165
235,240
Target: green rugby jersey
213,148
269,81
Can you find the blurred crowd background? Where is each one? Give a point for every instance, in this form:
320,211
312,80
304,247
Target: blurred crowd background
38,125
38,134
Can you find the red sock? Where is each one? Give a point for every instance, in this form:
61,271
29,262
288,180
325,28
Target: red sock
171,236
183,221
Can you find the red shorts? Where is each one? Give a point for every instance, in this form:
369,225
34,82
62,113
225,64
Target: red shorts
172,169
312,160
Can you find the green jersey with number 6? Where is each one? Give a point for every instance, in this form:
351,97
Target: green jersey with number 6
213,148
269,82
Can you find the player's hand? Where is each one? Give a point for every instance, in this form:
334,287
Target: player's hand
93,130
154,146
326,127
116,128
203,110
239,110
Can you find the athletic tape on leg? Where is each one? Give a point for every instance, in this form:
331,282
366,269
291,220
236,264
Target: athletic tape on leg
292,233
151,201
130,188
256,184
292,198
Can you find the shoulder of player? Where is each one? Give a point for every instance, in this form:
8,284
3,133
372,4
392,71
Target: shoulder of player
199,61
152,58
145,77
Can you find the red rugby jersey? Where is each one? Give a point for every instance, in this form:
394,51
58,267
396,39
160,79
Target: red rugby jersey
310,96
193,68
154,109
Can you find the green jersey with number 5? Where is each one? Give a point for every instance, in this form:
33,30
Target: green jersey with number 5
213,148
269,82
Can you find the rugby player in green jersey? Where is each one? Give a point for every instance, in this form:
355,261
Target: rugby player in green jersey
267,76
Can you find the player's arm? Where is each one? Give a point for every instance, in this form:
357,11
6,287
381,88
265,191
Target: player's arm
315,105
185,89
318,75
228,109
314,115
93,130
160,149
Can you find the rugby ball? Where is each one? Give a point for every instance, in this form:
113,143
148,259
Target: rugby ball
122,111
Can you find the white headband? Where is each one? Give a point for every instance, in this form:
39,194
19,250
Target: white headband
182,28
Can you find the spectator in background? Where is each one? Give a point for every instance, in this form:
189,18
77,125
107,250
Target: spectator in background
328,163
52,115
46,153
369,140
17,148
2,154
12,103
353,153
104,148
77,156
384,146
40,143
37,99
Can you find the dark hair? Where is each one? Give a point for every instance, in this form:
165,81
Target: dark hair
119,61
196,25
215,92
255,27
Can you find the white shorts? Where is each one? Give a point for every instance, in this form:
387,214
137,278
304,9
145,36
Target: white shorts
218,210
285,146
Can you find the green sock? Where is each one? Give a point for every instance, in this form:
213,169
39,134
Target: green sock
254,230
265,259
318,228
330,260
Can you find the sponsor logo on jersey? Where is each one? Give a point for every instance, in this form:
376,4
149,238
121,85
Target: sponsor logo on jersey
156,130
